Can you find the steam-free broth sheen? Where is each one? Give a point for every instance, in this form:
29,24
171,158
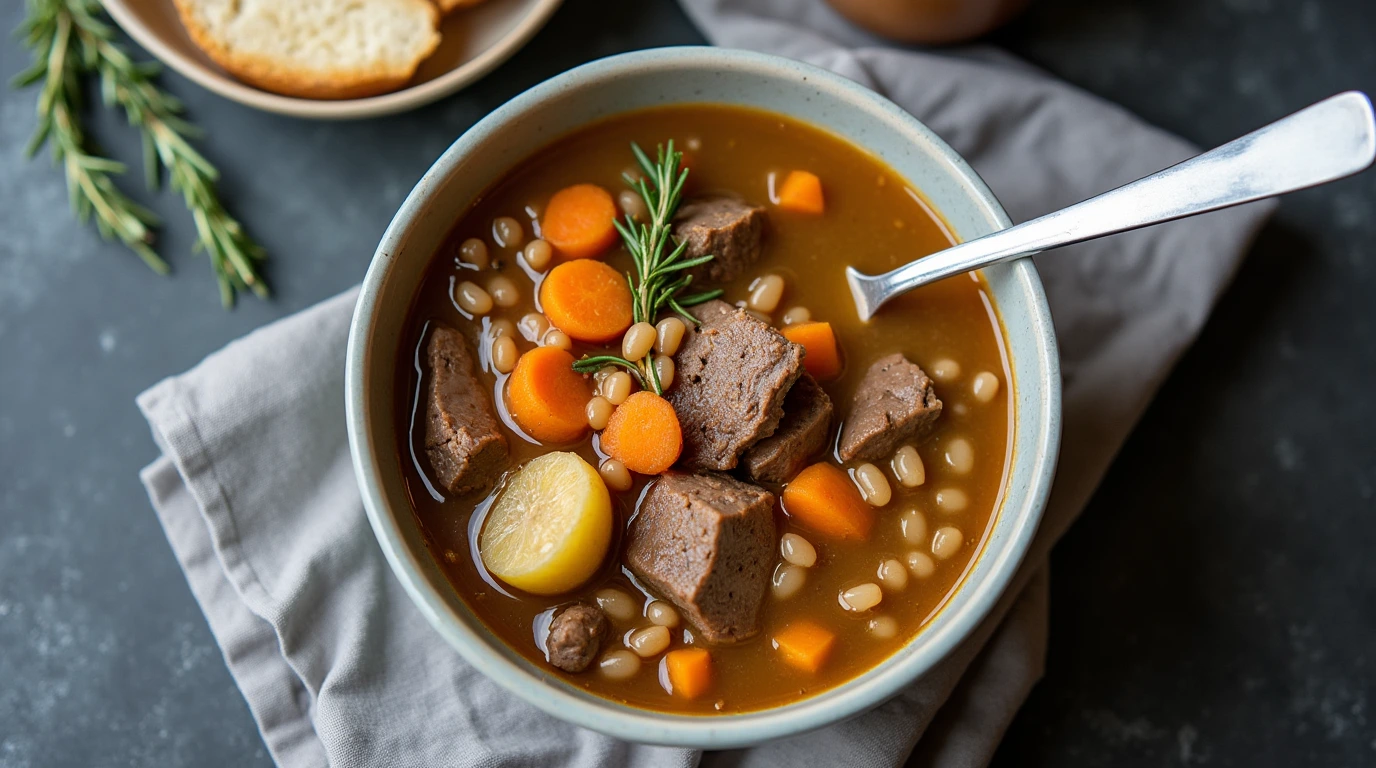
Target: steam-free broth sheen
873,220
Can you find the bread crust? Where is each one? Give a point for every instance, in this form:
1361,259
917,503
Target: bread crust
278,76
453,5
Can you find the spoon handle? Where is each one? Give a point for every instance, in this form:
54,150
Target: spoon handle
1326,141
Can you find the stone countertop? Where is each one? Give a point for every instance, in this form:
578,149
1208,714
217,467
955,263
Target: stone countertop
1214,604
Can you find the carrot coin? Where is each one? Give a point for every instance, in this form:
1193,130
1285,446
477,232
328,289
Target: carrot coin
644,434
547,397
578,221
587,299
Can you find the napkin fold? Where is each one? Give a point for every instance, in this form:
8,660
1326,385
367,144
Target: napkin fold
255,490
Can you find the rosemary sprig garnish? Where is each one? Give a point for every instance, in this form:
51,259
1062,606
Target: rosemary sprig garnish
660,276
657,280
70,41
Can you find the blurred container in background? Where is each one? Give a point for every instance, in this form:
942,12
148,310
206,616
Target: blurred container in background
932,22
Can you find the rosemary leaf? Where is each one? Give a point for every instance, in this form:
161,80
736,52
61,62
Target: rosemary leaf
152,175
594,364
680,265
678,308
673,288
695,299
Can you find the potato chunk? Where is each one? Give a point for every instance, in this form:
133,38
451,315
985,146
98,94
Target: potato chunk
549,530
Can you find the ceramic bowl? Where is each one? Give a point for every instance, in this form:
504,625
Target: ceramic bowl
645,79
473,42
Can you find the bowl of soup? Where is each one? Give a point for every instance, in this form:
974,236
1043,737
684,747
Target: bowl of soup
623,438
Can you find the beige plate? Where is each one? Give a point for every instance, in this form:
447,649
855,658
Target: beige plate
473,42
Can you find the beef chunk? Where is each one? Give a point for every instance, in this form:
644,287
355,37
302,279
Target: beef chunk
801,433
732,375
706,542
894,404
725,227
575,637
462,440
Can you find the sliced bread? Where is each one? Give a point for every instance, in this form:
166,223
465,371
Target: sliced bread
315,49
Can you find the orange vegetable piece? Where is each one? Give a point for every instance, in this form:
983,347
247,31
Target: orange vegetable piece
824,499
823,358
805,645
689,671
588,300
578,221
802,192
644,434
547,397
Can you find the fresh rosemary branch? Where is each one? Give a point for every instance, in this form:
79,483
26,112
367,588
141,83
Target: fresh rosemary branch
90,189
659,277
233,255
70,41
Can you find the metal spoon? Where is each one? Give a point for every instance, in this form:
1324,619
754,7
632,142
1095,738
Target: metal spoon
1321,143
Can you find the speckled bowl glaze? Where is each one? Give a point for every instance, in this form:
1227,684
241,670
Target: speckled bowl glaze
646,79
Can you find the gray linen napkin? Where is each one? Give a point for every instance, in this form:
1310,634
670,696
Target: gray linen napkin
256,494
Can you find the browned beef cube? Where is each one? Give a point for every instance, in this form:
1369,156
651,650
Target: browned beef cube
706,542
575,636
732,376
802,433
725,227
462,439
895,404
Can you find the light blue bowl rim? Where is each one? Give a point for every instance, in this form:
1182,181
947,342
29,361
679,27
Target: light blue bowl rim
721,731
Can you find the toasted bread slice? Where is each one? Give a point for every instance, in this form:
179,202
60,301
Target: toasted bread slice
315,49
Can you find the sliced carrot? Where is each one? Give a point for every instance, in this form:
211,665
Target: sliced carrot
547,397
689,671
644,434
802,192
824,499
587,299
805,645
823,359
578,221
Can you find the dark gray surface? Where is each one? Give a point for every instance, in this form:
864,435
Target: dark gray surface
1215,604
1217,601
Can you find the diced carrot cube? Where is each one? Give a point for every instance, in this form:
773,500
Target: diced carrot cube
823,358
689,671
804,644
823,498
802,192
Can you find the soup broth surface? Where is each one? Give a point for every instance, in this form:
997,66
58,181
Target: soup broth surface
873,220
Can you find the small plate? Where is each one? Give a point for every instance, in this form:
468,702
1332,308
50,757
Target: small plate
473,42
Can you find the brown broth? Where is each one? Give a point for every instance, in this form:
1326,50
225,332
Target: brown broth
875,221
